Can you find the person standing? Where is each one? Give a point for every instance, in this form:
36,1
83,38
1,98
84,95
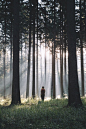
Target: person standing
42,93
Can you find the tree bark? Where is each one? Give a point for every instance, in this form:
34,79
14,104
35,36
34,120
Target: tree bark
81,44
11,41
4,51
73,90
54,90
33,85
16,85
28,69
61,49
37,48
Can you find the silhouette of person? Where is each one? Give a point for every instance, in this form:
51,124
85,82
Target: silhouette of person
42,93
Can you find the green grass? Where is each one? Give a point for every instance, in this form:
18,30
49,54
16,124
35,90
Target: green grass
51,114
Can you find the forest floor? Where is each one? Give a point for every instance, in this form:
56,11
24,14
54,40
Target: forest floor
35,114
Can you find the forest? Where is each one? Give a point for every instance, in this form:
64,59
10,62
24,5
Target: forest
42,43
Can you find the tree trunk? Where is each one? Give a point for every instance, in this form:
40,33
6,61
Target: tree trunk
82,68
11,41
73,90
45,46
4,51
61,50
52,75
11,60
15,85
41,62
37,48
28,69
20,77
33,85
54,91
65,64
81,43
45,58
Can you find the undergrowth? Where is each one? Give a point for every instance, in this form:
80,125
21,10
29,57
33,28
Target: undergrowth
34,114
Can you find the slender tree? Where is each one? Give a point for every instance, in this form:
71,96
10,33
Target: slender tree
33,84
11,41
61,49
54,91
37,48
81,45
4,52
45,46
28,68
